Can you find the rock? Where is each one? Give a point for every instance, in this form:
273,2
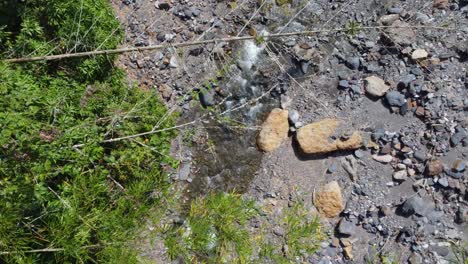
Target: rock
434,167
274,130
400,176
420,156
385,211
388,20
163,4
358,154
166,91
348,252
383,159
349,164
443,182
400,34
353,63
394,10
440,4
206,98
328,200
315,138
456,138
395,98
419,54
458,165
184,171
415,258
416,205
346,227
440,250
375,86
293,116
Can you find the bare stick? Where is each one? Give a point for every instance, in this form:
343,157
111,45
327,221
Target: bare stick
194,43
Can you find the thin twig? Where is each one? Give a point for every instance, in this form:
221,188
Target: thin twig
194,43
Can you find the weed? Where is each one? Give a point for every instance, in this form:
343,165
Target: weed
352,28
214,230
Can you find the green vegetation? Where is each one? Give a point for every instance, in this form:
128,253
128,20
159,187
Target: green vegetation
460,252
214,231
303,235
67,197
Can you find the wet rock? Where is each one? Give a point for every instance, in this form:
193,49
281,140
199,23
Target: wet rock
419,54
274,130
434,167
206,98
400,176
346,227
317,137
375,86
395,98
416,205
383,158
328,200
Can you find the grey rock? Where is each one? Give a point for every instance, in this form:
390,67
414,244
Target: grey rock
457,138
415,258
293,116
206,98
420,156
184,171
353,63
395,98
359,154
443,182
343,84
346,227
333,167
440,250
416,205
400,176
394,10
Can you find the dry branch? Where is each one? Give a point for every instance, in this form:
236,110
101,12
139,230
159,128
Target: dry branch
194,43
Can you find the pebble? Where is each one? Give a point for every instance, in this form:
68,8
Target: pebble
400,176
293,116
375,86
385,211
420,156
383,159
353,63
434,168
457,138
415,205
395,98
458,165
419,54
359,154
206,98
394,10
346,227
443,182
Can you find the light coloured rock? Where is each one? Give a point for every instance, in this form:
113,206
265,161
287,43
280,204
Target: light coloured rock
348,252
419,54
383,158
400,176
375,86
387,20
274,130
316,138
401,33
328,200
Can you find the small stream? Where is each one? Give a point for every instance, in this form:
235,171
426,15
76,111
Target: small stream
231,158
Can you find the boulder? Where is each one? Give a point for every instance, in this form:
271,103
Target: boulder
328,200
317,138
274,130
375,86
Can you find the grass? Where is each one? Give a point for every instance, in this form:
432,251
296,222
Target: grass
303,234
215,231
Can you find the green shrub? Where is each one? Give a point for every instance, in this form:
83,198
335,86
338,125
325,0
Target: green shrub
214,231
67,196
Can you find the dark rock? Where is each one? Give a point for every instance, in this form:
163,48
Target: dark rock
353,63
343,84
206,98
395,98
346,228
457,137
416,205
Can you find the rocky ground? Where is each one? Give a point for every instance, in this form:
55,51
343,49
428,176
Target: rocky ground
369,127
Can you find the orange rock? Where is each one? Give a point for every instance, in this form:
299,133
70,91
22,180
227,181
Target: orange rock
316,138
274,130
328,200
